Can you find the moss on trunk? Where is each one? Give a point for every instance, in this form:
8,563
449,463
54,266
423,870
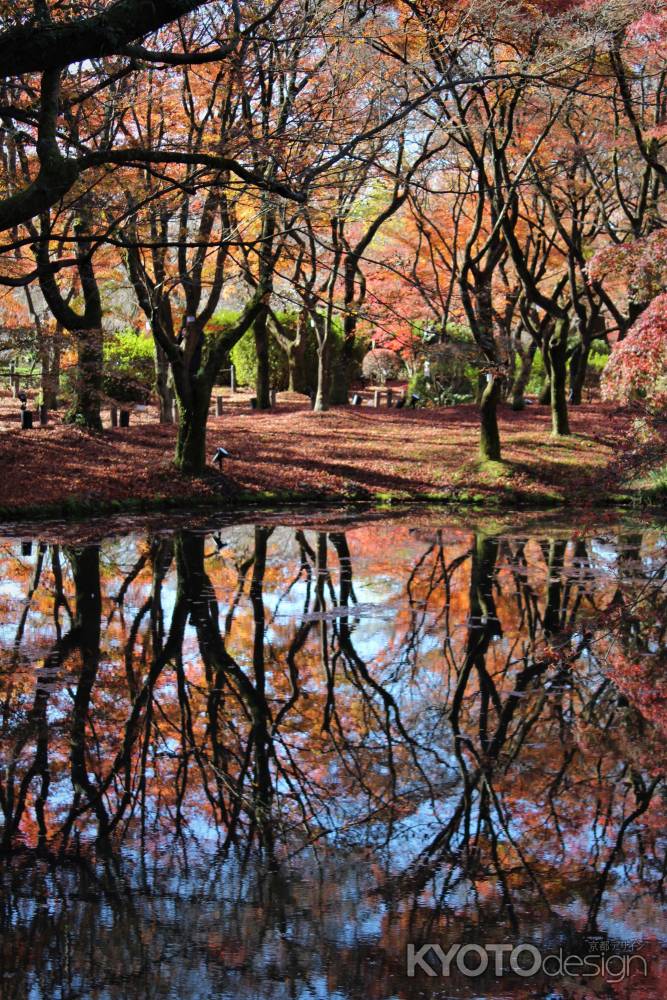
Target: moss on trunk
87,387
489,441
560,425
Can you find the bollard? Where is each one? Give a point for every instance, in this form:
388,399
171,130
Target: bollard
43,415
113,412
124,418
218,406
390,397
26,420
356,399
253,403
376,398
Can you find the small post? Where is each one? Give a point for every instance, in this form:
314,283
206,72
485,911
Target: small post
43,415
26,420
356,399
218,406
253,403
272,398
113,412
376,399
124,418
390,398
26,548
232,377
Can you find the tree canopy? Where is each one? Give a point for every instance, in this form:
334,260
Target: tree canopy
377,168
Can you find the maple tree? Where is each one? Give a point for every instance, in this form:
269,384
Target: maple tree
382,169
637,369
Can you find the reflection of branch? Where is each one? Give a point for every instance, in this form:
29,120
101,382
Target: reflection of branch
128,581
34,584
36,722
643,796
305,570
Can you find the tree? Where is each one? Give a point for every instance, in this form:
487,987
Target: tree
177,238
498,128
637,369
42,43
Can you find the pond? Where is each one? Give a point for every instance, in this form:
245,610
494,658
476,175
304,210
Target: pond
312,757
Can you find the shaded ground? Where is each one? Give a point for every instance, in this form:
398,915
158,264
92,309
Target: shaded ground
348,453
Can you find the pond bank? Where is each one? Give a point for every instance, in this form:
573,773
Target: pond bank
345,456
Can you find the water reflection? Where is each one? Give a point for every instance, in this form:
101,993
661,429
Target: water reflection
259,761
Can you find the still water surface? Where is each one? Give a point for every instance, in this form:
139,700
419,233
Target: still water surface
262,760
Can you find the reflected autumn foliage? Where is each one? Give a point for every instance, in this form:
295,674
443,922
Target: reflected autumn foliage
260,760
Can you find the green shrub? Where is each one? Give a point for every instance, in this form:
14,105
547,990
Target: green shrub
537,374
439,392
597,359
599,356
244,356
453,367
430,333
658,482
129,366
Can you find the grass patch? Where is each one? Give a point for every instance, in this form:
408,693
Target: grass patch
493,470
658,482
651,488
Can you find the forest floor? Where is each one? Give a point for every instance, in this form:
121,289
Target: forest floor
348,454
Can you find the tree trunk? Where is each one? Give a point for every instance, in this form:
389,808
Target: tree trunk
193,400
544,398
522,376
49,352
323,394
263,377
296,354
51,384
163,387
480,388
340,376
578,370
87,623
558,362
85,408
489,442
